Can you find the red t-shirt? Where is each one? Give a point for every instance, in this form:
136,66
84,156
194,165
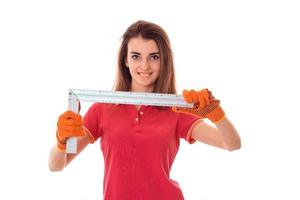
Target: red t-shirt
139,148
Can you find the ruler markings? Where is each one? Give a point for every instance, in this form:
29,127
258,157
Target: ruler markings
118,97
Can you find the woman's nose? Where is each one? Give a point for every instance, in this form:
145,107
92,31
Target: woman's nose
145,64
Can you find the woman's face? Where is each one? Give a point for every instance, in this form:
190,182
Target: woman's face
143,61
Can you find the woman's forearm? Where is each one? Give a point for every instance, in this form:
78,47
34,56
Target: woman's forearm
228,134
57,159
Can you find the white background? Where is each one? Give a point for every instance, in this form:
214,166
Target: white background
246,52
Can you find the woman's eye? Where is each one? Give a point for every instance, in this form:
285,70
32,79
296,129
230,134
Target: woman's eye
154,57
135,57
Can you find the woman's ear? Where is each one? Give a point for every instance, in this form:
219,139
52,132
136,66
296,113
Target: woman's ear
126,63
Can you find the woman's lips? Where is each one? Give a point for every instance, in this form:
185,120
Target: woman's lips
144,74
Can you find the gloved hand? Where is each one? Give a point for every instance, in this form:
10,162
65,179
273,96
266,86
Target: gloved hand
69,124
205,105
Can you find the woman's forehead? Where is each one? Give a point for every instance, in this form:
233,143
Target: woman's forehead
141,45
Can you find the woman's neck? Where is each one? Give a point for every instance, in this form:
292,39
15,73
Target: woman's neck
141,89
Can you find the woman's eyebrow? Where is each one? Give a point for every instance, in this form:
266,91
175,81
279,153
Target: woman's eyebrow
151,54
154,53
133,52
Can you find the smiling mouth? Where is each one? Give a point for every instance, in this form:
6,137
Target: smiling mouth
144,74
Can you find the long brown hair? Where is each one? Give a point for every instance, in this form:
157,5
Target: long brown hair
147,30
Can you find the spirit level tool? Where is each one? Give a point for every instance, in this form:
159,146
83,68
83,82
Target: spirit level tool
116,97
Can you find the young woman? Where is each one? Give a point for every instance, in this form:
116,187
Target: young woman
139,143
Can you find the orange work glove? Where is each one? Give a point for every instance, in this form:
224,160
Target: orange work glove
69,124
205,105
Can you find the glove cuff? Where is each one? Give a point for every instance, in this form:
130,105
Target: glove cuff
60,146
216,115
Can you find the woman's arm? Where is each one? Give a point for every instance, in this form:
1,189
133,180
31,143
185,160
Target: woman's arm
224,135
59,159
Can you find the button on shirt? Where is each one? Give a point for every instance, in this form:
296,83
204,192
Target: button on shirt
139,148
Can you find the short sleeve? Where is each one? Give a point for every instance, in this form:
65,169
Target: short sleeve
185,125
91,121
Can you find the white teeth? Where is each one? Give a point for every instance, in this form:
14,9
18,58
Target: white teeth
145,74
